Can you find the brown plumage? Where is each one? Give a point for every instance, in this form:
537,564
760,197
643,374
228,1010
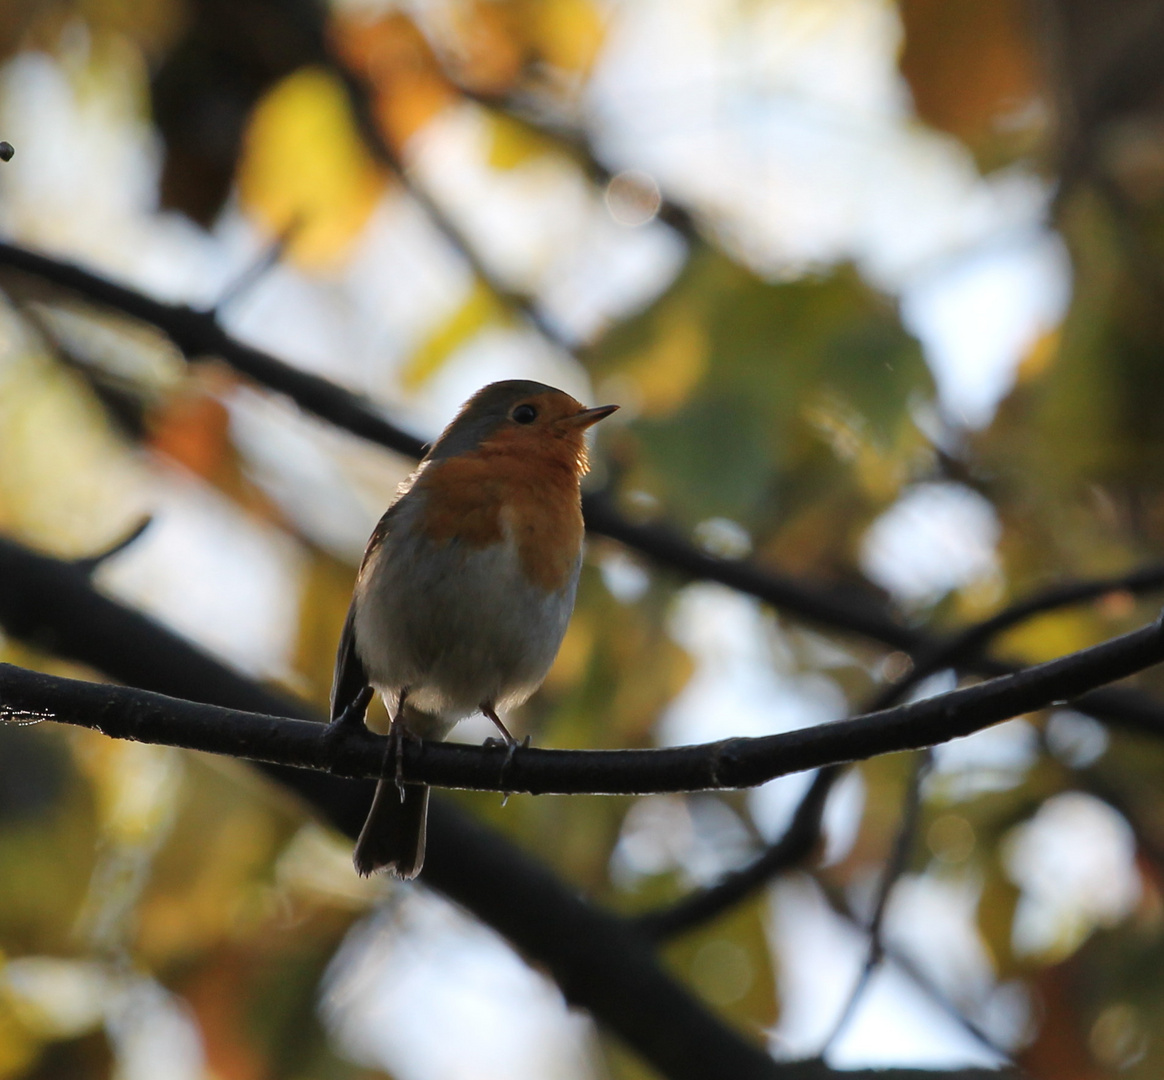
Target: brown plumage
466,586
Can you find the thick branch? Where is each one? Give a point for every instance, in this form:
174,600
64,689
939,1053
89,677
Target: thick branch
128,713
601,964
196,334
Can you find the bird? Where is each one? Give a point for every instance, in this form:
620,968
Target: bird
465,589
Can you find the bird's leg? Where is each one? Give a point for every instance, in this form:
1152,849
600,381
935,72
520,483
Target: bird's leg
396,733
489,711
511,744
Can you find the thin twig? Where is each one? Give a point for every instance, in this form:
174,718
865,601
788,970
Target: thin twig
968,644
511,299
525,108
251,275
839,903
802,834
895,866
798,841
89,563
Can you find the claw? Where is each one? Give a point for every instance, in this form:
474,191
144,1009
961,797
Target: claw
353,714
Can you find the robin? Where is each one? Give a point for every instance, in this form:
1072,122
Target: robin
465,589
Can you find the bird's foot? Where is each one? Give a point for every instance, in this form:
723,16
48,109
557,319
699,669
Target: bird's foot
352,716
511,748
398,734
349,720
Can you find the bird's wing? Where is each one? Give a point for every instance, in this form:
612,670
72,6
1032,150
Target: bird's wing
350,679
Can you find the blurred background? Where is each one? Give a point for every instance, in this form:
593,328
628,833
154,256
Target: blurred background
880,289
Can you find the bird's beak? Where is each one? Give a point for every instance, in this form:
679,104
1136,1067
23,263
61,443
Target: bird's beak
588,417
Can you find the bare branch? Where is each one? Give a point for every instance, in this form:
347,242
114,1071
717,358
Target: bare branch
895,866
803,831
599,960
196,334
51,603
797,843
90,563
914,972
732,763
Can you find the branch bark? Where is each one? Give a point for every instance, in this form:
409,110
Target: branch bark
197,334
599,960
128,713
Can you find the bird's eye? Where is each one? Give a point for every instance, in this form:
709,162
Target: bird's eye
525,414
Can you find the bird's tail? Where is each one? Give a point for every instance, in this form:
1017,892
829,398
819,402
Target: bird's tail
393,834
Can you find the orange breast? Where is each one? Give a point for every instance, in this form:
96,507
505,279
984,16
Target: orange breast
528,492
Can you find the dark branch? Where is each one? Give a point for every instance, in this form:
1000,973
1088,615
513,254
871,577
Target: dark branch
797,843
362,109
803,831
598,959
732,763
90,562
251,275
916,974
960,650
600,962
196,334
802,834
895,866
527,108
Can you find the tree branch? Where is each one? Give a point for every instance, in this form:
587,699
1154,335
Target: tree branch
797,843
597,958
895,867
803,831
196,334
599,961
127,713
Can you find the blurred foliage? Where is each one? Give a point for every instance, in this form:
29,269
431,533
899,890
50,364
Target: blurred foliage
757,398
774,417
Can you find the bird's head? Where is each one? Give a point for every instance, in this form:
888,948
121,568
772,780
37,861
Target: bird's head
522,417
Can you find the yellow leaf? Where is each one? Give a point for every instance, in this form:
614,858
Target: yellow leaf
513,143
479,309
568,33
18,1048
304,170
669,369
1051,635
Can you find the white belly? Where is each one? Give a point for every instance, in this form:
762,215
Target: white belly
457,626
